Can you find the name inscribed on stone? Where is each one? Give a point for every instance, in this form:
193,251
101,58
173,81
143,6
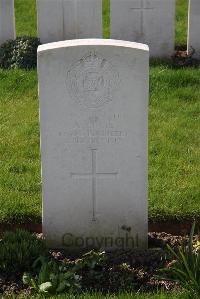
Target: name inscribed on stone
94,131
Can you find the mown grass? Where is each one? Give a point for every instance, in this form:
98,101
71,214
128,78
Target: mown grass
120,296
181,22
19,147
26,20
174,159
106,18
26,17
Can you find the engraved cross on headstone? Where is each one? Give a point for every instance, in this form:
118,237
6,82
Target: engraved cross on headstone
94,175
142,9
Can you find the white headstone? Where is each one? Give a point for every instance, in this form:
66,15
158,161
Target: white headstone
93,115
69,19
146,21
7,20
194,28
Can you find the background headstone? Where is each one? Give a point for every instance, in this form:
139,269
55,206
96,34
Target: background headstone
93,115
69,19
145,21
194,28
7,20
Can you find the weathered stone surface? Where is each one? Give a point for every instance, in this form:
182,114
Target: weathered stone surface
69,19
145,21
93,115
7,20
194,28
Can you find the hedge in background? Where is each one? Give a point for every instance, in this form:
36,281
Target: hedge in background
19,53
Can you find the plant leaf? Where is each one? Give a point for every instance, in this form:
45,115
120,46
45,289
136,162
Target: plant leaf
45,287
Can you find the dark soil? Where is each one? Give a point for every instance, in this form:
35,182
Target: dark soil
183,59
171,226
122,270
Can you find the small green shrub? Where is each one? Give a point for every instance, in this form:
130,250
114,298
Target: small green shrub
92,259
18,251
19,53
53,277
186,267
92,263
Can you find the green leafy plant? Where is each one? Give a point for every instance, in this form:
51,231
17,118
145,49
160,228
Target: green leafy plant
92,263
186,267
19,53
92,259
18,251
53,277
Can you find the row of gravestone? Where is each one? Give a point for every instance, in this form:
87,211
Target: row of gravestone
146,21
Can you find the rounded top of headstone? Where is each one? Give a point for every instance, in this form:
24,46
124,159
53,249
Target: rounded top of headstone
93,42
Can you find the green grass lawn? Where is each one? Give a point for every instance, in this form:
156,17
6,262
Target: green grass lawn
181,22
122,296
20,188
174,156
174,159
26,17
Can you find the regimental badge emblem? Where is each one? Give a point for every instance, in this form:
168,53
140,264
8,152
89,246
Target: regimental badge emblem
92,80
